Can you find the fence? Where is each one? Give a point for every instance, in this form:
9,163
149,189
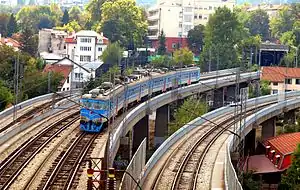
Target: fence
134,168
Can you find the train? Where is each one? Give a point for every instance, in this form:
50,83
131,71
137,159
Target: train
107,100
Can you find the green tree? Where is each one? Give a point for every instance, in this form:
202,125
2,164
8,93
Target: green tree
123,21
291,179
74,13
6,96
162,44
65,18
72,26
45,22
195,38
112,54
4,19
282,23
94,9
183,56
189,110
162,61
222,34
265,88
56,14
29,41
258,24
12,26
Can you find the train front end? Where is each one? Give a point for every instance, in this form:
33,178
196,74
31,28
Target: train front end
93,115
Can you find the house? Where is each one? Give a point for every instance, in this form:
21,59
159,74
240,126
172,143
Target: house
277,159
65,70
52,41
10,42
79,74
85,46
282,79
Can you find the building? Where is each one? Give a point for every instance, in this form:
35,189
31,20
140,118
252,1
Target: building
282,79
276,159
10,42
272,10
177,17
75,78
65,70
9,2
52,42
86,46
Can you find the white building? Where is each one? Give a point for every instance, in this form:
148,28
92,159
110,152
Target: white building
177,17
9,2
85,46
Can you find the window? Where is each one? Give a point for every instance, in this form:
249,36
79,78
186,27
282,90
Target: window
205,18
67,88
180,25
200,8
274,91
78,75
297,81
187,28
85,40
83,48
195,16
86,58
174,45
187,18
68,79
210,7
200,16
275,83
63,89
99,48
188,9
288,81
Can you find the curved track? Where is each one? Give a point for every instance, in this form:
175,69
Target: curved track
12,166
62,175
182,167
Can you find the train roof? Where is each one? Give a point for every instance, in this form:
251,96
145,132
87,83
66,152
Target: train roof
120,87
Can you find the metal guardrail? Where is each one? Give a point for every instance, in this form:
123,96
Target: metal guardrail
198,121
231,179
26,103
135,167
141,110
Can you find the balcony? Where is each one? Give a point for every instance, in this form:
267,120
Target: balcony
153,17
153,27
153,37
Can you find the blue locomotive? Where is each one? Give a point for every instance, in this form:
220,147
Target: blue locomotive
106,101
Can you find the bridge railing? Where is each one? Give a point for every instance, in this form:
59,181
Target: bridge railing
231,179
165,146
26,103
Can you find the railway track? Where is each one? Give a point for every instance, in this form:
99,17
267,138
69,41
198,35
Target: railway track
13,165
63,173
30,114
182,172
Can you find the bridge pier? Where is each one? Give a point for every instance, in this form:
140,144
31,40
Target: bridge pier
161,125
250,143
290,117
218,97
268,128
229,94
140,131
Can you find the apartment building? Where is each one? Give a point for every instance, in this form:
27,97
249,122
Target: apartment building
9,2
272,10
177,17
85,46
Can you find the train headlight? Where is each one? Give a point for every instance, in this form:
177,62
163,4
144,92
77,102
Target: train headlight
83,120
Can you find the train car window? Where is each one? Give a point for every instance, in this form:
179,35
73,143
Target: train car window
97,105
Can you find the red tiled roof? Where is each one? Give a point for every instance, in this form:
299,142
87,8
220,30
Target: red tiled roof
286,143
59,68
278,74
70,40
15,43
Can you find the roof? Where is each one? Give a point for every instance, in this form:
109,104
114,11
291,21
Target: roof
10,42
278,74
90,33
70,40
74,63
260,164
285,144
87,33
65,70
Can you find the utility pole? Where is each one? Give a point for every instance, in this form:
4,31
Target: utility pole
16,86
49,81
209,64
